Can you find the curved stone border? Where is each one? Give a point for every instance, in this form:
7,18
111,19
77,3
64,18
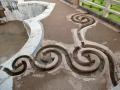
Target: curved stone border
35,33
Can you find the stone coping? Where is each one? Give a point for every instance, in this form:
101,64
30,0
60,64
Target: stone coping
35,33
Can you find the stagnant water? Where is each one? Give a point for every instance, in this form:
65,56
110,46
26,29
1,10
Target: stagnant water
12,37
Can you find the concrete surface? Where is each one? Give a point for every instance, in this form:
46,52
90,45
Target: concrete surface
57,27
12,37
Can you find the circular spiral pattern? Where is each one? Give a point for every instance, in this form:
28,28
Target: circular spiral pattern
82,19
82,66
48,58
19,65
98,51
89,60
110,57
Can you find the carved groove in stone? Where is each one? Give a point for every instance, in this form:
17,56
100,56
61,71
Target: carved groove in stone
82,19
19,66
45,61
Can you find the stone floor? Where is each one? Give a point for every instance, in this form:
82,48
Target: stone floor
58,28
